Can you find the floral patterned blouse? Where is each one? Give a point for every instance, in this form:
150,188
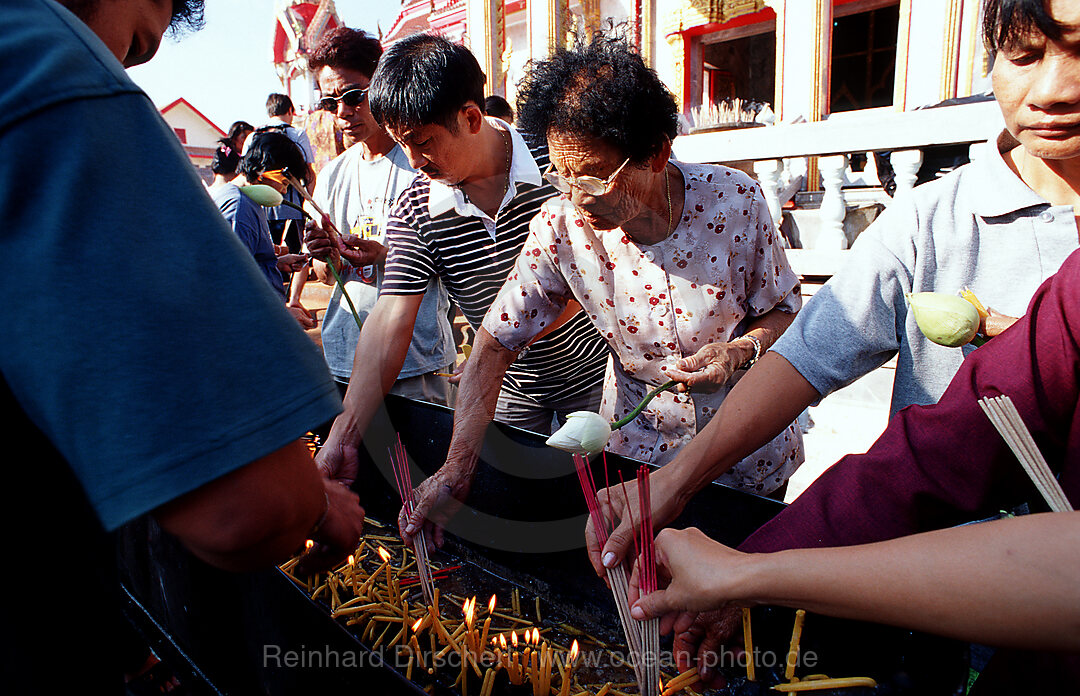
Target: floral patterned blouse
720,268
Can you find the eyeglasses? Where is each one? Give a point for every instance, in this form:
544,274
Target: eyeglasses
352,99
586,184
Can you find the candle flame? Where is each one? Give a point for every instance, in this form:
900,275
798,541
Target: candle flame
384,554
352,559
502,641
513,638
416,626
470,611
574,652
491,604
308,544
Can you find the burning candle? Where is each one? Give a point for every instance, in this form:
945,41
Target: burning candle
385,555
515,660
469,609
568,674
534,676
487,624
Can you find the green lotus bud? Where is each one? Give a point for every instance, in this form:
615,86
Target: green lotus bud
585,433
947,320
262,194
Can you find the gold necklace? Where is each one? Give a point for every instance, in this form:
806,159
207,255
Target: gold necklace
509,162
667,187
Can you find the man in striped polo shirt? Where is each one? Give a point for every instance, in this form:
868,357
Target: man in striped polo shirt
465,221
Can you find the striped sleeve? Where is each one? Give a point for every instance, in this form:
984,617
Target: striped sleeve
409,264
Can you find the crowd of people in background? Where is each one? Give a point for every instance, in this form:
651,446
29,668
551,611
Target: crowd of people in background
592,267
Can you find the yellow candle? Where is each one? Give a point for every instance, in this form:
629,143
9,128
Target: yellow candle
385,555
748,644
821,684
793,649
568,674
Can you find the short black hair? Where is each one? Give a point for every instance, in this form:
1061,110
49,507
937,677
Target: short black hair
187,15
342,47
278,105
498,107
271,150
1007,21
603,90
424,79
226,159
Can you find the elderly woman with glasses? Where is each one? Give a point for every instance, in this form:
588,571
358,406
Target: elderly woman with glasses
678,265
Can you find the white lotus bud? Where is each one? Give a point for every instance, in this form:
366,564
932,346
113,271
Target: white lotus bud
262,194
945,319
585,433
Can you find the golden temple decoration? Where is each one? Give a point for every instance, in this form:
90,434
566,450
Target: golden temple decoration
695,13
678,56
903,40
950,49
590,15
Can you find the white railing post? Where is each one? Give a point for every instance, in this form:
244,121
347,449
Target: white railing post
833,209
905,164
768,175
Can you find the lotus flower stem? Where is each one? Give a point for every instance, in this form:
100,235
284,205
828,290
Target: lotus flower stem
644,402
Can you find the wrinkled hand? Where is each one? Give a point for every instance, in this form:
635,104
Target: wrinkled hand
339,532
995,323
438,499
306,319
701,639
666,506
291,263
338,459
711,367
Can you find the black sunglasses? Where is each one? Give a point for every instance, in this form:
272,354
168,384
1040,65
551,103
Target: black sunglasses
352,99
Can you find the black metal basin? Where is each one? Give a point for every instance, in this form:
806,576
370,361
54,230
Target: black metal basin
257,633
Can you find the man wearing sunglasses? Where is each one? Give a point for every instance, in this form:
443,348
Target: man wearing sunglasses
356,190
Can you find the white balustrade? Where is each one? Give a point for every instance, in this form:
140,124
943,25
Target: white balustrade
905,164
768,174
903,133
833,208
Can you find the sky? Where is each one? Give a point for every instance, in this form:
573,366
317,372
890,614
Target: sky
224,70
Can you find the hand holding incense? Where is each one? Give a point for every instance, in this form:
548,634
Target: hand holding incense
399,459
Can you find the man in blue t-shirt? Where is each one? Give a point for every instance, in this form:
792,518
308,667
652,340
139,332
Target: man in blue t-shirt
129,387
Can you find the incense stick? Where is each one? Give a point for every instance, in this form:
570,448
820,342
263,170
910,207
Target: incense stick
1003,414
648,581
619,583
403,477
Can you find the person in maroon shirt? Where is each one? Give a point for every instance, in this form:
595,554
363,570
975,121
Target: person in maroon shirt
1014,584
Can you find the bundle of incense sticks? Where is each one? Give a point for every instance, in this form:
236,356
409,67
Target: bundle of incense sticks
617,578
647,582
399,459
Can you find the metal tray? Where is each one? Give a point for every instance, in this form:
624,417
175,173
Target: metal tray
258,633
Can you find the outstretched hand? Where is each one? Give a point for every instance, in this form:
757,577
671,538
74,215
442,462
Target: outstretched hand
438,499
666,506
